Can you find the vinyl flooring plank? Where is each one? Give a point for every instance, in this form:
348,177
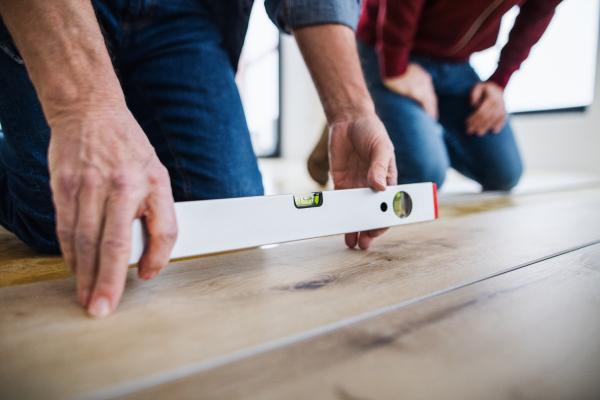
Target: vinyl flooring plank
533,333
202,310
20,264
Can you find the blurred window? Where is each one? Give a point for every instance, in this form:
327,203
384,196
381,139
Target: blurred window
258,81
561,69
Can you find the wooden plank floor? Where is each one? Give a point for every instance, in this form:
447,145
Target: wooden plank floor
530,333
202,313
20,265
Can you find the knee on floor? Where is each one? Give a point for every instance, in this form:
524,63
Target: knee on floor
43,242
502,180
36,232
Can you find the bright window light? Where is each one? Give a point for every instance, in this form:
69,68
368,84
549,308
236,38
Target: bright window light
258,80
561,68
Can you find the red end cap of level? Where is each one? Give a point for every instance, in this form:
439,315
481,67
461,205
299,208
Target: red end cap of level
435,199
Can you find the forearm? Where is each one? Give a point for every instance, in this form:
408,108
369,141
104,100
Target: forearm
63,50
530,25
332,59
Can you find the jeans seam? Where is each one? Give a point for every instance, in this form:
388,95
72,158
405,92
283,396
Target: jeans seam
163,130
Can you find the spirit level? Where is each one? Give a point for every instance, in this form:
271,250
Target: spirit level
212,226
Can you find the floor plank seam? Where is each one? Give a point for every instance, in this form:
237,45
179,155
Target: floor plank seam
212,363
448,199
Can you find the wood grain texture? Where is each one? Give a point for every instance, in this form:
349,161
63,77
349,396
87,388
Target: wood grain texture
533,333
200,309
19,264
499,202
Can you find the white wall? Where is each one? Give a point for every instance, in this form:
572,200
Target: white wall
302,117
566,142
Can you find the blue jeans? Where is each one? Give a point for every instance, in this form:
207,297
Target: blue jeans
179,85
426,148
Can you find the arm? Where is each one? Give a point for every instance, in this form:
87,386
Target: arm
530,25
103,170
487,97
361,153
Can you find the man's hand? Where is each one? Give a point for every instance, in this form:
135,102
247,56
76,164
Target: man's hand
104,174
361,155
490,114
416,83
103,171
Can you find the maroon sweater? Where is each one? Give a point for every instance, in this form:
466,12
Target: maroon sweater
451,30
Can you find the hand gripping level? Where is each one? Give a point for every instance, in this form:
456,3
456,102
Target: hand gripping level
212,226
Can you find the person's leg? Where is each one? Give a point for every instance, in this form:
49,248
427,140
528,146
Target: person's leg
179,85
420,151
26,207
492,160
220,154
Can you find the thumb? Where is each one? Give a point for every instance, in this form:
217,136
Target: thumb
477,95
378,169
392,177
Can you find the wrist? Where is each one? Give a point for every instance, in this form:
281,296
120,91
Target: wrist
348,100
85,112
65,98
350,112
499,78
79,83
496,86
330,53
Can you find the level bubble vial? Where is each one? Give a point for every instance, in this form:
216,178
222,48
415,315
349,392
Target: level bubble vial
308,200
402,204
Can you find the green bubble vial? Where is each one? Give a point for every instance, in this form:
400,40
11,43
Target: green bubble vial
308,200
402,204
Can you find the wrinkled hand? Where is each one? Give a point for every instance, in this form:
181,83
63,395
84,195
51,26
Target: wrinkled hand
490,114
361,155
416,83
104,173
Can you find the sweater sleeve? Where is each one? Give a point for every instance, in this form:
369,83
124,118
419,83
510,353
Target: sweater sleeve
532,21
397,24
367,24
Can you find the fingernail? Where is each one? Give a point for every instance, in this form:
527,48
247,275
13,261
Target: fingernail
100,308
149,275
381,180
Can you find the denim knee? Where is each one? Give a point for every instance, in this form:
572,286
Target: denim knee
42,242
35,231
502,180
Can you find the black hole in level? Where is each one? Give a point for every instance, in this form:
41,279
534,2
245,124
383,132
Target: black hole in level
384,207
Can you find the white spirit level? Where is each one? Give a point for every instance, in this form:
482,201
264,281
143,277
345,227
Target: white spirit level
212,226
